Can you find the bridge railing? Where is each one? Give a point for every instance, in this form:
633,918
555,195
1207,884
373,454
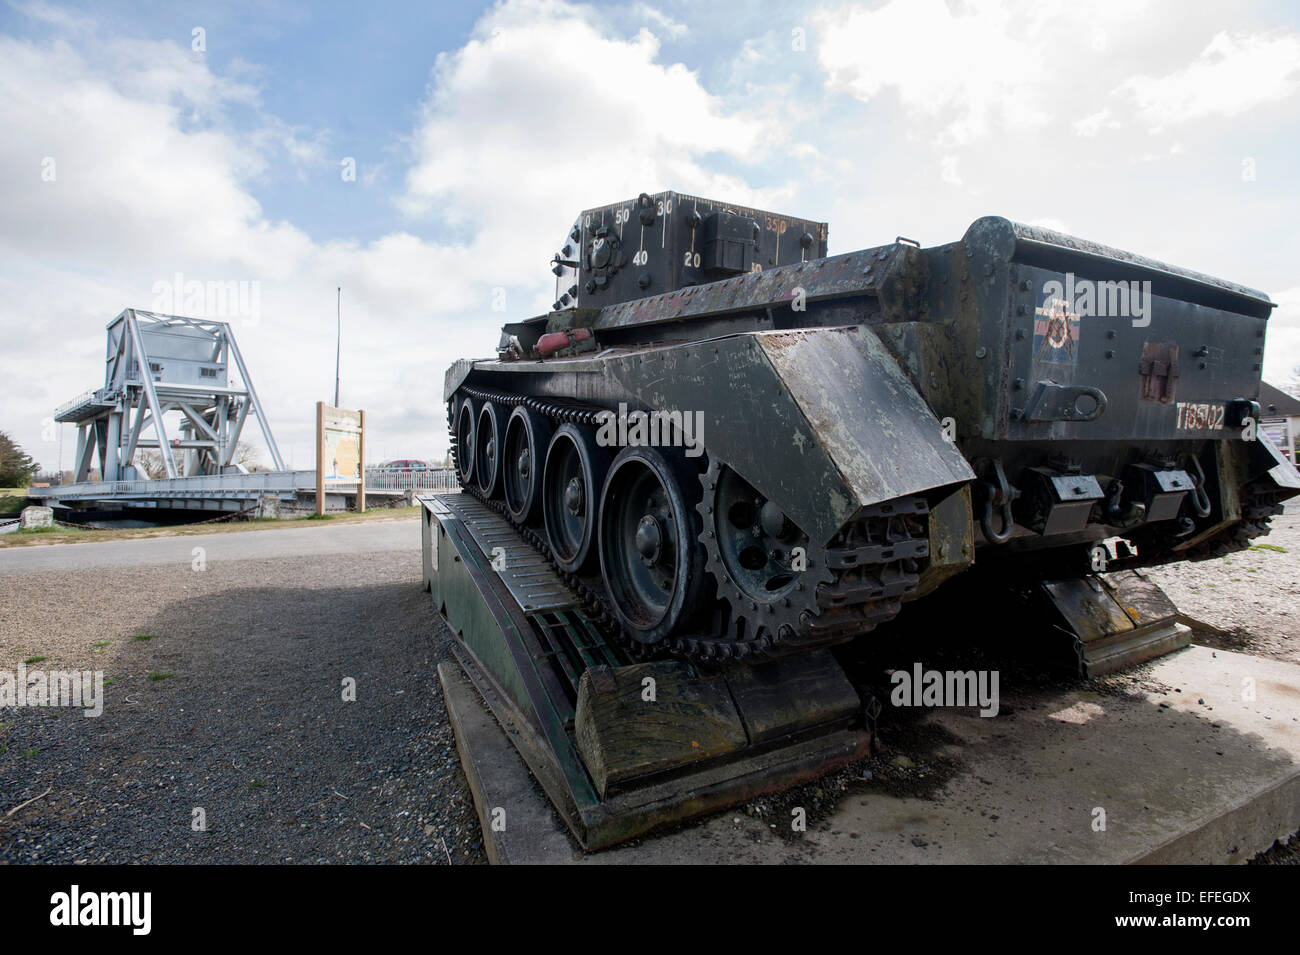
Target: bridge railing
76,402
437,480
248,486
214,485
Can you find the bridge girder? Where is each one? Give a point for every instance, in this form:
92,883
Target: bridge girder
158,365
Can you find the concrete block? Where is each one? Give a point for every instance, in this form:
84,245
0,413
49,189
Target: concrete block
35,517
1194,761
519,826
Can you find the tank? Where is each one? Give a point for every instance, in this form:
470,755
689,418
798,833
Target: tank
737,447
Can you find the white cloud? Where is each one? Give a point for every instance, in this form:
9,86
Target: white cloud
665,23
135,180
1093,124
1233,74
518,123
962,65
156,157
152,179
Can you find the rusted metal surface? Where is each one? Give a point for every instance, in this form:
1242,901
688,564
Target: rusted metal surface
952,539
1028,235
665,241
1116,620
868,272
883,439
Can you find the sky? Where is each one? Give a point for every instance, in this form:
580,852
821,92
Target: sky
428,158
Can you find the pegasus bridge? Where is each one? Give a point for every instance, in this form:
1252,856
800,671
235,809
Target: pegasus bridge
179,387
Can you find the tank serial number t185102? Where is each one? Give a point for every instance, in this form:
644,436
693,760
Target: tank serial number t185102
736,447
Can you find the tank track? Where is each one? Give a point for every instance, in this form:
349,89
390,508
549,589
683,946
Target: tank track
861,594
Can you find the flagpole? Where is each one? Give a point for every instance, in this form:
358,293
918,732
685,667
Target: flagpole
338,348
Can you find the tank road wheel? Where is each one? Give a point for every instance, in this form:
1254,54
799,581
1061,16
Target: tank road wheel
465,427
575,469
524,451
763,565
650,557
488,434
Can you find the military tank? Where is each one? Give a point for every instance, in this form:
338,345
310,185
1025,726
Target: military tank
737,447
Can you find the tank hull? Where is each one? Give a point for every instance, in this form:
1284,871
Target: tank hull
855,430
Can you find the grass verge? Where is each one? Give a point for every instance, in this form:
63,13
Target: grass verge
65,535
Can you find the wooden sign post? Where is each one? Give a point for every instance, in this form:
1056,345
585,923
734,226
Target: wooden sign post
340,452
361,457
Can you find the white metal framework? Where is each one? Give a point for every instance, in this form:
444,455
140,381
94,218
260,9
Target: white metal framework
160,365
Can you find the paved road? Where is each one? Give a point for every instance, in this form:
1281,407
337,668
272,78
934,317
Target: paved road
323,538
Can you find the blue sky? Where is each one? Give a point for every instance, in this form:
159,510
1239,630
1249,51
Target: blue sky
333,68
480,130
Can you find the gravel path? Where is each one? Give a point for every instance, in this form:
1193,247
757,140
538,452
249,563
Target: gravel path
1253,596
234,706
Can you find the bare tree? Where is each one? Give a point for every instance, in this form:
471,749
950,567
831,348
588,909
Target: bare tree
150,463
1292,385
248,456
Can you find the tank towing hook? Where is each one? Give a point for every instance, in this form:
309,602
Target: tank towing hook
1000,495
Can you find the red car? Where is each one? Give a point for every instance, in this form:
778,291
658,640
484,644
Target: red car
404,466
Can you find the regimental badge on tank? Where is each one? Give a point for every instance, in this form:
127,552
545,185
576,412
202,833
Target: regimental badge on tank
1056,333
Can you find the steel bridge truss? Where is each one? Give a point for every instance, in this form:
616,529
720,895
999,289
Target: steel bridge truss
160,365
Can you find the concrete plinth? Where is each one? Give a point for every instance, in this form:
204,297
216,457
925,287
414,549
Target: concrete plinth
1196,762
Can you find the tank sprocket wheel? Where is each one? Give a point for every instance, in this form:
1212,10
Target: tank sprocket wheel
761,564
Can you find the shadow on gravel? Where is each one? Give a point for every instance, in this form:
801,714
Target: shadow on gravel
233,714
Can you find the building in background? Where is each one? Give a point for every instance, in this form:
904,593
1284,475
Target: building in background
1280,418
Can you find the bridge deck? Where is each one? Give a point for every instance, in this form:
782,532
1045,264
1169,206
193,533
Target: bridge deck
223,492
206,492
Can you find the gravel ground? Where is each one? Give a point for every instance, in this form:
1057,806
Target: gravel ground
234,706
1253,597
